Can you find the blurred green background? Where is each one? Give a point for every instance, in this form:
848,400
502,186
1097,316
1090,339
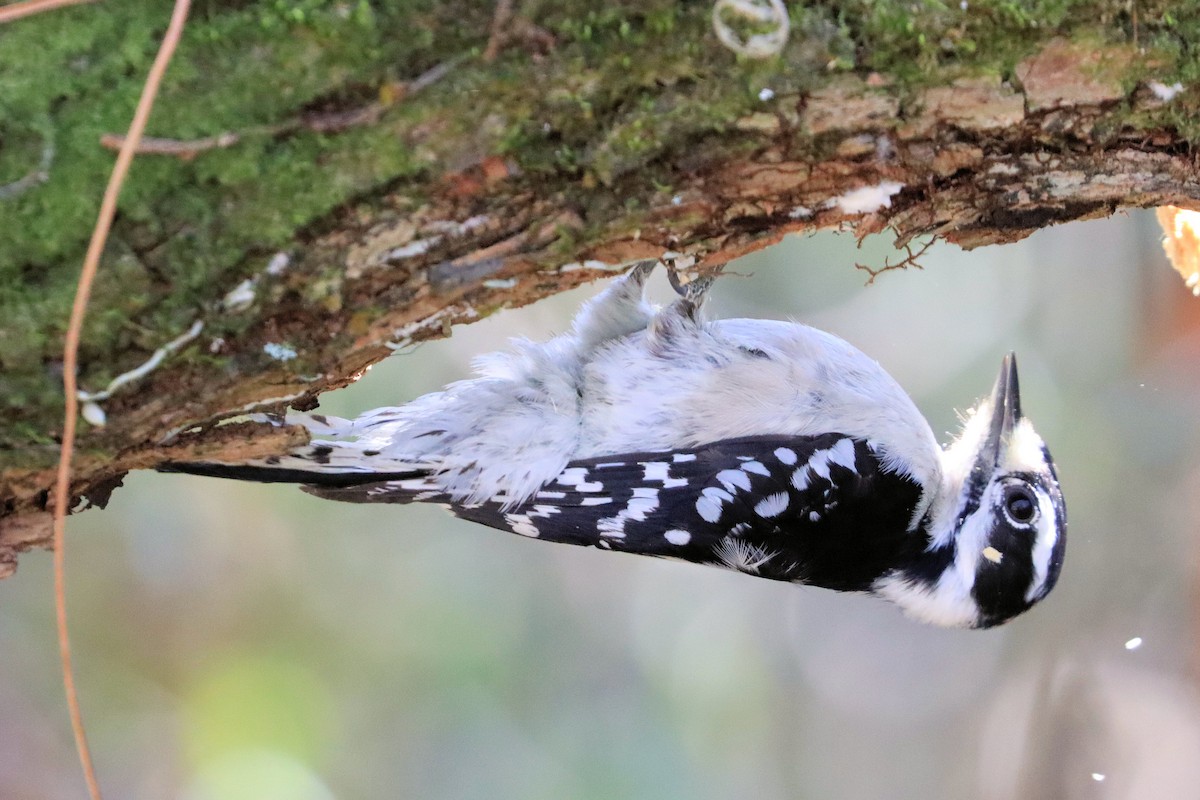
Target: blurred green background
249,642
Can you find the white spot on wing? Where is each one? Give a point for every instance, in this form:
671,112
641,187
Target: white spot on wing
711,503
731,478
677,537
656,470
800,479
572,475
577,477
786,455
660,471
680,458
520,523
414,485
772,505
638,508
756,467
595,501
843,453
708,509
719,495
819,464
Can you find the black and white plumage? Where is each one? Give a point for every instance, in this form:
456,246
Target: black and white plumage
770,448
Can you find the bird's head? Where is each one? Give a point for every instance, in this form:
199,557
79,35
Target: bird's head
998,526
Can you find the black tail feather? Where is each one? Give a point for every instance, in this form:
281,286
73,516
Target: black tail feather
262,474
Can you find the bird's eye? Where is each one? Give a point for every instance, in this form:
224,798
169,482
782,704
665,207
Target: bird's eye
1020,505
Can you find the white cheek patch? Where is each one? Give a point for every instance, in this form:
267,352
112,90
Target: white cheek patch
1043,547
972,542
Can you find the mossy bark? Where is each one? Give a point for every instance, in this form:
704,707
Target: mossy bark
322,202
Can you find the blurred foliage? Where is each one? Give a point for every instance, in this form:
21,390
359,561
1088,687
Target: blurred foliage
238,641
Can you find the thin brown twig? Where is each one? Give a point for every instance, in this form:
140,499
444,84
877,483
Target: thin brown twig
28,8
911,259
189,148
87,276
331,122
499,34
181,148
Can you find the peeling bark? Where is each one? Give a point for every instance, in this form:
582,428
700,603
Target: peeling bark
973,159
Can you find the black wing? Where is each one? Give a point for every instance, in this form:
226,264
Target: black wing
818,510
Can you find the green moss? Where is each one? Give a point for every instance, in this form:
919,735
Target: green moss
915,41
185,228
628,88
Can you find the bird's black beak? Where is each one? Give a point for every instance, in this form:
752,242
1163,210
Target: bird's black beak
1006,413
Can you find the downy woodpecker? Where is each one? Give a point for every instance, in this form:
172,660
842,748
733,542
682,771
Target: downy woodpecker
765,447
